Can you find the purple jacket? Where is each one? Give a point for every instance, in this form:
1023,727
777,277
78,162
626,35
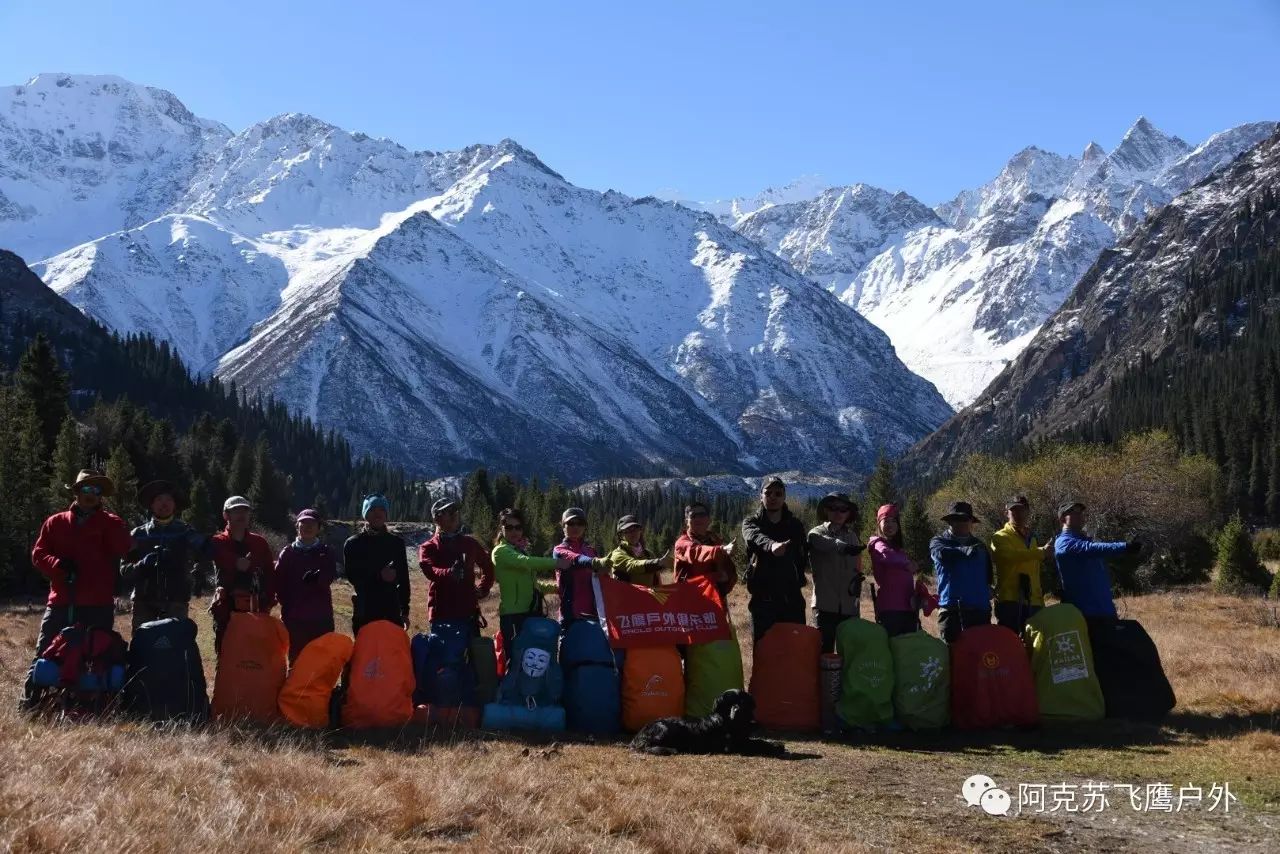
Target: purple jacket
305,600
895,574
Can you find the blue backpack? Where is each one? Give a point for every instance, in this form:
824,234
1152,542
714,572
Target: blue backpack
592,686
531,692
442,672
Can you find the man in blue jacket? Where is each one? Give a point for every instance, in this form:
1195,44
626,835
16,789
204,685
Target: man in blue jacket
1086,583
962,564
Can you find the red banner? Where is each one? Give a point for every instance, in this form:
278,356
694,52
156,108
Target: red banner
680,613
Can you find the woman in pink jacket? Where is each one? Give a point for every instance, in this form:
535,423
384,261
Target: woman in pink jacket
895,574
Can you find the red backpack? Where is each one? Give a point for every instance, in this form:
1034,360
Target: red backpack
991,680
86,663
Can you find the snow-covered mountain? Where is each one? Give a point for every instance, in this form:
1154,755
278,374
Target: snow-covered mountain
446,309
961,293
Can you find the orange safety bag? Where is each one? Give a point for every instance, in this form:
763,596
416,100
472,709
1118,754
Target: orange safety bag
251,669
652,686
304,699
786,677
380,685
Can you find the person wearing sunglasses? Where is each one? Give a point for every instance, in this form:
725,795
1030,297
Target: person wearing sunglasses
376,564
517,573
835,558
700,553
577,597
777,553
450,560
78,550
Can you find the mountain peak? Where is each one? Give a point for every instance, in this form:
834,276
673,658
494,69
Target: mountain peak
1093,152
1147,149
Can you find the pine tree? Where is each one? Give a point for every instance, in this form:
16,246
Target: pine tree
240,472
68,459
879,492
201,512
44,383
121,470
478,512
268,491
917,531
1273,483
1238,570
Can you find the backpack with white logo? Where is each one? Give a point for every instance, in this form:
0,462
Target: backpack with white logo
166,676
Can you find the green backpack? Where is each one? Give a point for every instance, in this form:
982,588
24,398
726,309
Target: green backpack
866,679
1067,686
710,669
921,680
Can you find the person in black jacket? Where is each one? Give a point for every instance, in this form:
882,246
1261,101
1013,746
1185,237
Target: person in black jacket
162,566
377,566
777,551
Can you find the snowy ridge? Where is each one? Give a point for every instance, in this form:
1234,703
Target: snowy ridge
962,294
455,308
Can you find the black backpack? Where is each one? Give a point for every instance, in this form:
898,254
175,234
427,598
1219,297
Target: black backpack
166,677
1128,665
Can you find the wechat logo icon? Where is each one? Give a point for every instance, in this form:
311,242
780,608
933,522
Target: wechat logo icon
981,791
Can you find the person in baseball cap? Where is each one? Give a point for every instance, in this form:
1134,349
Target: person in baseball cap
1086,581
631,561
451,561
577,595
1018,557
244,566
965,573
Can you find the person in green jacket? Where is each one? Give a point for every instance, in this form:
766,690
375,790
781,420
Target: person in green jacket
516,572
630,560
1017,557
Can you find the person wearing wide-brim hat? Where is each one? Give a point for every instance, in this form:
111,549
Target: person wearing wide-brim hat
965,574
162,565
77,550
835,559
630,560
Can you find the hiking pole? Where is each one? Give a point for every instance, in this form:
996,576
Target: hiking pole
1024,599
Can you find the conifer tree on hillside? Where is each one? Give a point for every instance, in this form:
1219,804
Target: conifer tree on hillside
478,511
42,380
201,513
879,491
124,476
68,459
917,531
241,470
268,490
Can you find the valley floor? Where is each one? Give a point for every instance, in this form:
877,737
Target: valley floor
122,786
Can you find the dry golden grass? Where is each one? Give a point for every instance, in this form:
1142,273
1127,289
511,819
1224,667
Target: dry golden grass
121,786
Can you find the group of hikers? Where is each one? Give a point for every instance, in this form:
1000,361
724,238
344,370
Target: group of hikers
86,552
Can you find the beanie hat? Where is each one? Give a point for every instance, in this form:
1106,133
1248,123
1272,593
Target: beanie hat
885,511
372,501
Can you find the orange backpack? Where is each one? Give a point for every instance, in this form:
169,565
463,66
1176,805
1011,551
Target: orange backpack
304,699
251,668
652,686
785,677
380,685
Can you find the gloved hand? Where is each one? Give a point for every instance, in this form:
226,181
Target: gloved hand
389,573
778,548
729,547
151,559
583,560
459,569
563,561
69,568
481,592
853,549
1133,546
404,619
311,576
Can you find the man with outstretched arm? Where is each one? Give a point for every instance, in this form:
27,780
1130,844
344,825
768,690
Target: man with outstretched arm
1086,582
777,553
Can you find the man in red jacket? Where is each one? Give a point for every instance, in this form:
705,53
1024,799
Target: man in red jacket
246,568
449,560
79,550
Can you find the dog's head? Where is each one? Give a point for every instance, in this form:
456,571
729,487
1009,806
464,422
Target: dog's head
738,708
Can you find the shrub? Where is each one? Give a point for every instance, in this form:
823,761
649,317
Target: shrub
1238,570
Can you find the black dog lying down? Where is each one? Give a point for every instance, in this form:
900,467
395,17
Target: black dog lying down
726,730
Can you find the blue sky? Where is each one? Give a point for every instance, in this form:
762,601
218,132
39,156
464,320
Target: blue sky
710,99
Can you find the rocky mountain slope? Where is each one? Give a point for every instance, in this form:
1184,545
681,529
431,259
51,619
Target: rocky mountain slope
446,309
